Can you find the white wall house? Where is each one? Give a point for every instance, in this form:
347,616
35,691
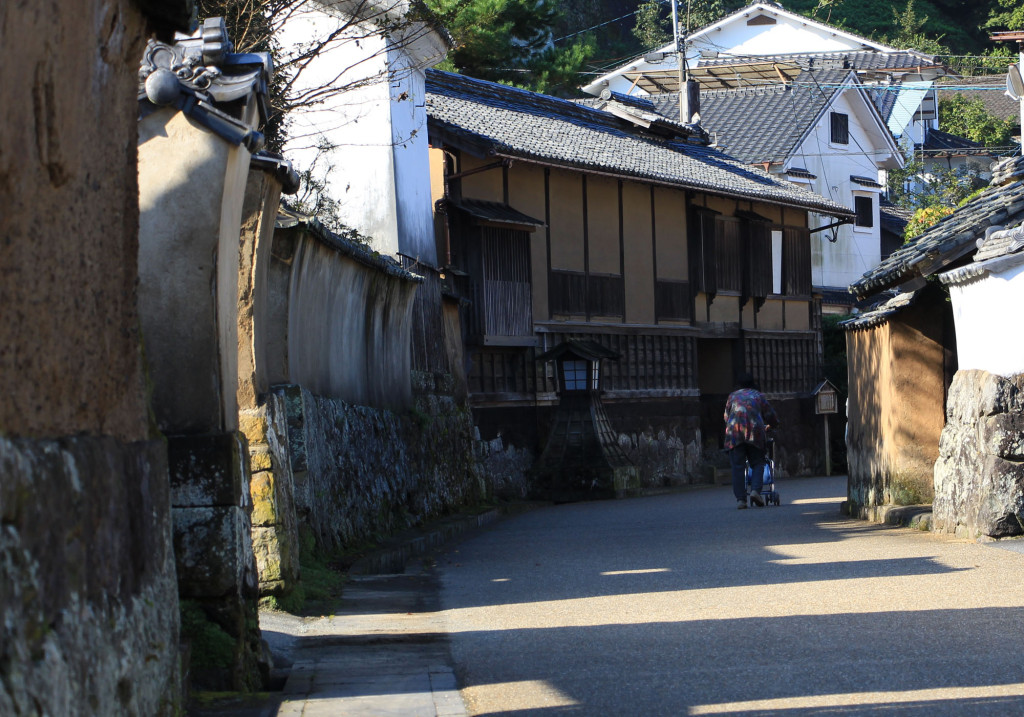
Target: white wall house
845,166
761,42
367,138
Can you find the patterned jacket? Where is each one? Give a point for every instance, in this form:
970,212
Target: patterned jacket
747,412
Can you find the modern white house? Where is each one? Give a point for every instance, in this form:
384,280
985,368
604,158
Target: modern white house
763,43
365,137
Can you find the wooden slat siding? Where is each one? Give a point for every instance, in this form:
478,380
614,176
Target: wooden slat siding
782,365
507,298
796,261
729,254
606,296
429,351
567,292
672,300
648,363
760,259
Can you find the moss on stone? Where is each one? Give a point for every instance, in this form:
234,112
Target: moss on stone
212,647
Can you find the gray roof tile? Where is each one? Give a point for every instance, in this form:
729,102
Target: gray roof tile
506,121
762,124
954,236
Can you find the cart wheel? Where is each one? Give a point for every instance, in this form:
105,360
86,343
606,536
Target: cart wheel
776,499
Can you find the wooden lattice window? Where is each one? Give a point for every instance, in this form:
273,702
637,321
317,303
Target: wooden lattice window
796,261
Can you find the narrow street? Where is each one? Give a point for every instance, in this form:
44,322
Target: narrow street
681,604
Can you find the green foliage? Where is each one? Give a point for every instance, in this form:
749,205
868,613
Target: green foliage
969,118
910,32
509,41
653,28
924,218
1005,15
699,13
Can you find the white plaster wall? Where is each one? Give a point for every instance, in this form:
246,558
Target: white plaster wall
355,125
377,167
985,339
856,249
411,160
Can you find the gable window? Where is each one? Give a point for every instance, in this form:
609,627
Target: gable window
865,211
840,128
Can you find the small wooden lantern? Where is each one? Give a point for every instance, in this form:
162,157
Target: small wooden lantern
579,365
826,398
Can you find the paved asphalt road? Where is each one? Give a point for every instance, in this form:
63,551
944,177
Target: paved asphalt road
681,604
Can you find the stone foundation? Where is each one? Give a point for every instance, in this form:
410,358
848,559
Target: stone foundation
979,477
87,582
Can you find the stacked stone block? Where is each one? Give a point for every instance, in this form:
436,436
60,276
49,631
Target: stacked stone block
979,476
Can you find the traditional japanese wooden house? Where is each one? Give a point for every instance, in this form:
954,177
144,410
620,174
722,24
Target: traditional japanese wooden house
558,221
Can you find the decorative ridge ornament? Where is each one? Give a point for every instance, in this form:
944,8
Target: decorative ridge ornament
201,76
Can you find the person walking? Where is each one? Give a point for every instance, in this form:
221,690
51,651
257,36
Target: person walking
748,414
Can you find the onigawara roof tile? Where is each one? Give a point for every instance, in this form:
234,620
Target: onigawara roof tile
502,121
954,237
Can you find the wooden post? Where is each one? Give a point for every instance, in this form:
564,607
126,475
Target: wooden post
828,448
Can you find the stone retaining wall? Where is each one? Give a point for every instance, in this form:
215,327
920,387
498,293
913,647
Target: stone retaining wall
352,474
979,477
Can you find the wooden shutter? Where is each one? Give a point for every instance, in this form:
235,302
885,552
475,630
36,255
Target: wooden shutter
796,261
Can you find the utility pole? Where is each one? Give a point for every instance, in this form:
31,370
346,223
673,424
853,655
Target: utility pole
689,92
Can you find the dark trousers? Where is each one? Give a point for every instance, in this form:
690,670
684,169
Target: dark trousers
739,456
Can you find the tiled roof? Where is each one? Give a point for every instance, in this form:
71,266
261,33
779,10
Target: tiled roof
999,249
495,212
884,99
894,218
865,182
1000,243
987,88
350,246
936,141
954,236
762,124
508,122
880,314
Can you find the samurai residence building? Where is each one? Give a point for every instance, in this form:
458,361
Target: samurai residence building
558,222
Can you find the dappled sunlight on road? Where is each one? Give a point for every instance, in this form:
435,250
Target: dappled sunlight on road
519,696
818,501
